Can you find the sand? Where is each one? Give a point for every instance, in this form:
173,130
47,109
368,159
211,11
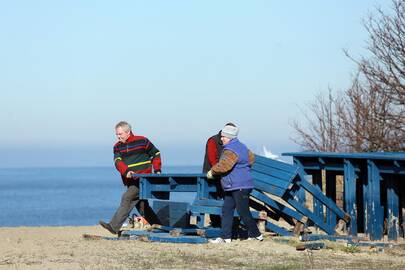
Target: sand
65,248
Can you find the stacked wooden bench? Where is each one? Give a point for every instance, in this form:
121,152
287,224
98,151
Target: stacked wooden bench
277,186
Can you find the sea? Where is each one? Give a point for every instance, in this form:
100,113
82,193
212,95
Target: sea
63,196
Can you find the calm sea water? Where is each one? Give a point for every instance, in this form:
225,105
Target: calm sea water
62,196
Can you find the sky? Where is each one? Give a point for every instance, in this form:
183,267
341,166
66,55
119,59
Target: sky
177,71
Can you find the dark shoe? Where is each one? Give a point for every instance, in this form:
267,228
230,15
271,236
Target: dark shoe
107,226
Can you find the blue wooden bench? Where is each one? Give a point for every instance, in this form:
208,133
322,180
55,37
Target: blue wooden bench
373,188
270,178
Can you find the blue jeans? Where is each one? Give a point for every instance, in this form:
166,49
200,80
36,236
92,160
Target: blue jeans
238,199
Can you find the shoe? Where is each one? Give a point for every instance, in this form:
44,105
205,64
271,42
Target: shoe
220,240
107,226
257,238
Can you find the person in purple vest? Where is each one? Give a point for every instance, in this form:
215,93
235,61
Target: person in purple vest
233,168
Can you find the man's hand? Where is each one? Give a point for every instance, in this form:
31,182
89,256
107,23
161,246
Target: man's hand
209,175
129,174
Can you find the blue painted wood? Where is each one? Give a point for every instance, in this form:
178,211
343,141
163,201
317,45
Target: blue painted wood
205,232
317,193
331,194
167,238
371,155
197,209
169,213
373,210
277,182
277,206
317,204
282,166
206,188
350,195
316,237
311,246
137,232
274,171
393,208
266,187
277,229
289,197
208,202
300,194
213,210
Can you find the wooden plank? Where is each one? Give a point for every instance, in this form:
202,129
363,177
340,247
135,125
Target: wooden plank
275,164
269,179
277,206
311,246
350,195
318,206
206,188
316,237
171,188
266,187
300,194
374,220
289,197
281,174
393,207
317,193
167,238
277,229
331,194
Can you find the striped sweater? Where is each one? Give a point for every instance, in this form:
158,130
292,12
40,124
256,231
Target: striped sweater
137,154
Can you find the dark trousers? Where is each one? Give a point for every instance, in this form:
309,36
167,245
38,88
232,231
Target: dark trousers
238,199
128,201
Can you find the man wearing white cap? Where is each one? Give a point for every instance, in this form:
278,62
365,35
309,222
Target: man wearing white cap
236,180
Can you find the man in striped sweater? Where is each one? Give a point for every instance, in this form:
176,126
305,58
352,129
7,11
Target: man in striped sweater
133,154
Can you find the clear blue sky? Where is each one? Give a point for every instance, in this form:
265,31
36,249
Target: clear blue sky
176,70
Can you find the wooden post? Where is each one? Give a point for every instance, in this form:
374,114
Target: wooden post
350,195
374,220
331,194
318,206
393,207
261,222
300,193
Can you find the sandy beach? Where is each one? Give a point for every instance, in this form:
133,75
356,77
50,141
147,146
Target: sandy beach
65,248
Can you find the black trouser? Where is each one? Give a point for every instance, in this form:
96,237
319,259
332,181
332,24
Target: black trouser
238,199
128,201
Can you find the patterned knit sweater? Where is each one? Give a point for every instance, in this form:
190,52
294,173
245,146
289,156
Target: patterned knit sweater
137,154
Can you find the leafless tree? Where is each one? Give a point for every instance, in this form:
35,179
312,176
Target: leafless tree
324,130
369,115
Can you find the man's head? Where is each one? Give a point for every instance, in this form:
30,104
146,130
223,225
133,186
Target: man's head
229,132
122,131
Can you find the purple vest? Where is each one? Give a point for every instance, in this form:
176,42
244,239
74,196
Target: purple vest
239,177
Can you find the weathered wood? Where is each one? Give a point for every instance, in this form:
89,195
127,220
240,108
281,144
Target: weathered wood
277,206
393,208
167,238
331,194
374,220
311,246
350,178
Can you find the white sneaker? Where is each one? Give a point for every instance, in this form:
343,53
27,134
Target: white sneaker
258,238
220,240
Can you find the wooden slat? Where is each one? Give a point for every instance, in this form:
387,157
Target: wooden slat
350,178
393,207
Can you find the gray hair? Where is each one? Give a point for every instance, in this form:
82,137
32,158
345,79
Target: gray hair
124,125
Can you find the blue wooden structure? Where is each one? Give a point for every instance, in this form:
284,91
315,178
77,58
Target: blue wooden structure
374,189
277,193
